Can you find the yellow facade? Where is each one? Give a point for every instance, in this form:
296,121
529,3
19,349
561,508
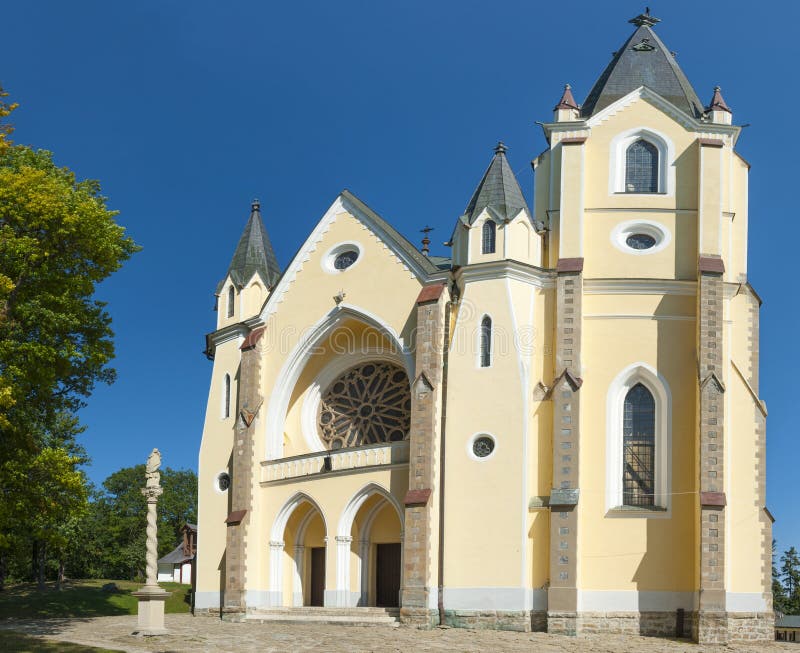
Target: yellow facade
530,416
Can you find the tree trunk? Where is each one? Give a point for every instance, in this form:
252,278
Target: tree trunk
60,577
42,559
3,567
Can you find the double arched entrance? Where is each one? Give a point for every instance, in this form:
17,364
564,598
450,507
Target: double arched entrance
353,561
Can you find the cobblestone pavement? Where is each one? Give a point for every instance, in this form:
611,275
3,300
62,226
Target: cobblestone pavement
189,633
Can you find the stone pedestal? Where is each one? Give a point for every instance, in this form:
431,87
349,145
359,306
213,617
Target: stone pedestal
151,611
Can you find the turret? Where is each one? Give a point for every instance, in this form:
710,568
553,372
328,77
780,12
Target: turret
566,110
252,274
717,110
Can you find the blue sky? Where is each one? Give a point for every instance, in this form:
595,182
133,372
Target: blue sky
187,110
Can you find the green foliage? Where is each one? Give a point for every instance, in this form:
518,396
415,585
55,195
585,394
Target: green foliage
113,531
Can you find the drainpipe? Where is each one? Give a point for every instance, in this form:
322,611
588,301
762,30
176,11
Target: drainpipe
445,356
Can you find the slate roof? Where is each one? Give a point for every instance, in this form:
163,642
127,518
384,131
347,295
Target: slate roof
498,191
643,60
788,621
174,557
254,253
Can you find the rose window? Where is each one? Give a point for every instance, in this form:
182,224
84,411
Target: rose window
368,404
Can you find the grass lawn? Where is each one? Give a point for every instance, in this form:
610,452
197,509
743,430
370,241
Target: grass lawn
81,598
26,644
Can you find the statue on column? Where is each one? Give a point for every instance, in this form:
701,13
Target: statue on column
151,596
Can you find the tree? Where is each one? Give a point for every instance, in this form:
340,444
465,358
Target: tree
58,240
119,518
790,573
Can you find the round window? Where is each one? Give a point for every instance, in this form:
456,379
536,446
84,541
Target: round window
483,446
640,241
223,481
345,259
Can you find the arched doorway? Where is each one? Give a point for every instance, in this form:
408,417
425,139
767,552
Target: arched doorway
371,536
299,538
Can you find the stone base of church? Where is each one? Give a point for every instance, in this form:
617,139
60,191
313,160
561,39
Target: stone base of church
724,627
650,624
419,617
521,621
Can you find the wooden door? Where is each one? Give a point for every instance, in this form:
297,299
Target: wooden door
387,575
317,576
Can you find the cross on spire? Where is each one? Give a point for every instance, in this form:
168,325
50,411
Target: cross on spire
645,19
426,242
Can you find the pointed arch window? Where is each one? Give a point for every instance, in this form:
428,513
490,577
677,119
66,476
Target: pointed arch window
489,234
486,342
231,300
641,167
226,397
639,447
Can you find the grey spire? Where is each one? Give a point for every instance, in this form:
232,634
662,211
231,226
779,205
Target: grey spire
498,191
254,253
643,61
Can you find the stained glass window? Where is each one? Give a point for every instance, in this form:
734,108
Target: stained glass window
641,168
483,446
639,430
368,404
486,341
226,408
489,232
231,300
345,259
640,241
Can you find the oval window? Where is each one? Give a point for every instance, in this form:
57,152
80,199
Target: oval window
640,241
345,259
223,482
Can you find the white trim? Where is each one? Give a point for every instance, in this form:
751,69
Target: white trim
634,601
471,453
340,205
207,600
655,230
286,380
309,413
648,376
624,316
639,287
512,599
506,269
330,256
745,602
666,158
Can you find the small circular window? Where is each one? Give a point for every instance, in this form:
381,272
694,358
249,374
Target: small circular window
223,481
640,237
345,259
640,241
483,446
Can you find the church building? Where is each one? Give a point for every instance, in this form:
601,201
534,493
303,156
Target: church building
558,428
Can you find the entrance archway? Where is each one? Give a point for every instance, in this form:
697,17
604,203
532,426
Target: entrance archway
371,534
299,531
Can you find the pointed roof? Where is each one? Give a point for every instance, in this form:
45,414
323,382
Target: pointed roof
643,60
567,101
498,191
254,253
718,102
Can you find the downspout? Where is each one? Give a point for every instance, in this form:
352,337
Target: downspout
445,357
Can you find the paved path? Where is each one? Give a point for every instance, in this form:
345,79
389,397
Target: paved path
196,634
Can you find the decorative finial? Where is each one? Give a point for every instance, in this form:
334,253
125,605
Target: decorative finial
255,205
339,297
718,102
645,19
567,100
426,242
500,148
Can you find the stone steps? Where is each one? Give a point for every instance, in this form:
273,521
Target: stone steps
368,616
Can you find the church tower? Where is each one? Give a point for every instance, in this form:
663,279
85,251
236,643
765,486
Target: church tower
659,453
223,480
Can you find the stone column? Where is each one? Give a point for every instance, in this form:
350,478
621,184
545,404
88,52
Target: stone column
711,625
420,544
299,564
151,597
343,544
363,554
242,461
562,595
